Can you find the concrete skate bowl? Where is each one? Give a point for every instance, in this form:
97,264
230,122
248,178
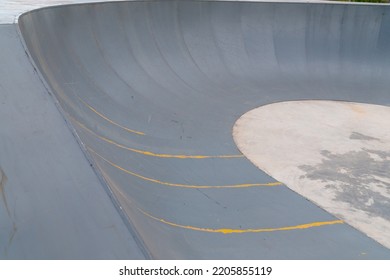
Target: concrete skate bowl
152,91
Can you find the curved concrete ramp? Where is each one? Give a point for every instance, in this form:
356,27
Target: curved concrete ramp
153,89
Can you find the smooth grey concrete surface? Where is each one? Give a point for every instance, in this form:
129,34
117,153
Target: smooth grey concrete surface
52,204
153,90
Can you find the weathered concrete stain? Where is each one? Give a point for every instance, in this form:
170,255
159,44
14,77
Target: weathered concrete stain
359,136
3,181
358,178
357,108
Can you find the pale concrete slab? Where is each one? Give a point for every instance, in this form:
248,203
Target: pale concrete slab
337,154
10,10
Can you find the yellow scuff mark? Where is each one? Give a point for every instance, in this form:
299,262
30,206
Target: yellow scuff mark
148,153
108,119
235,231
182,185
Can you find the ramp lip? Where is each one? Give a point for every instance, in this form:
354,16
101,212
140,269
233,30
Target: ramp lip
81,3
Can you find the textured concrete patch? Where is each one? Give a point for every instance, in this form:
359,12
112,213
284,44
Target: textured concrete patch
337,154
358,178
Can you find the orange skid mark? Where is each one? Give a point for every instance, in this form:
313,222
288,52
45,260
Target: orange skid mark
235,231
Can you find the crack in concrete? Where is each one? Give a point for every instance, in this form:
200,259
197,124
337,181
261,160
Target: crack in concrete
3,181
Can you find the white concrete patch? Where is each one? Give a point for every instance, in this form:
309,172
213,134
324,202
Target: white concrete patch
336,154
10,10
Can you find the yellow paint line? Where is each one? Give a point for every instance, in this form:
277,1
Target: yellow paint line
182,185
251,230
148,153
229,230
108,119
